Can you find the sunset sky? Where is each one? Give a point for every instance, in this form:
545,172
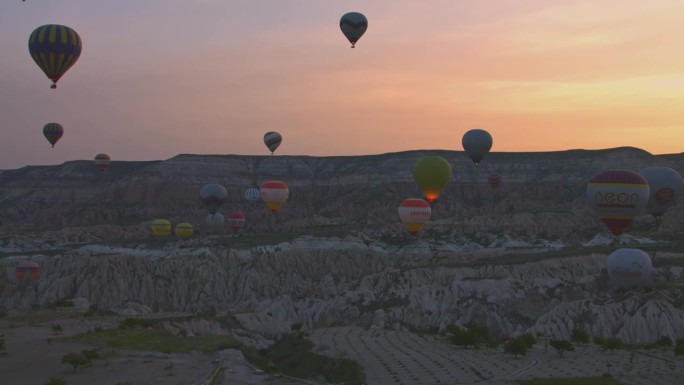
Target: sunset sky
161,77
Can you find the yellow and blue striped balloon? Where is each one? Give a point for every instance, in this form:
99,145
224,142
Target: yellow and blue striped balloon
55,48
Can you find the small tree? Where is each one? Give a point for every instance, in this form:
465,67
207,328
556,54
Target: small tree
528,339
579,336
679,348
562,346
75,360
90,354
57,328
55,381
612,343
516,346
664,342
297,326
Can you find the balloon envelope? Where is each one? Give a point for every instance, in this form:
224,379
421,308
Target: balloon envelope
53,132
161,228
236,221
618,197
274,193
494,180
55,48
213,195
215,222
28,269
477,143
184,230
102,161
664,186
252,194
432,174
414,213
353,26
629,268
272,140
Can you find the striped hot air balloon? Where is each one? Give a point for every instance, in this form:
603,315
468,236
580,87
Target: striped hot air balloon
26,269
184,230
236,221
353,26
272,140
53,132
414,213
161,228
102,161
55,48
494,180
215,222
252,194
665,187
618,197
274,193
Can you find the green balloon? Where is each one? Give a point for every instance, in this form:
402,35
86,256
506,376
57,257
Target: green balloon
432,174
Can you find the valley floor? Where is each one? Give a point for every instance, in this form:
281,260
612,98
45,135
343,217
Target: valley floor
404,358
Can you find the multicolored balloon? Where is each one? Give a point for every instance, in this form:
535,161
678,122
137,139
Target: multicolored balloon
477,143
618,197
53,132
55,48
665,187
414,213
213,195
353,26
184,230
494,180
272,140
274,193
102,161
252,195
432,174
26,269
236,221
161,228
629,268
215,222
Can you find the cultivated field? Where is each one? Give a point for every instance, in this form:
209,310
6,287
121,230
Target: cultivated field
404,358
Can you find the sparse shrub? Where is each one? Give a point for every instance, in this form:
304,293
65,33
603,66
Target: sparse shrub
131,323
598,340
3,345
57,328
55,381
98,329
579,336
528,339
664,341
64,303
75,360
297,326
91,354
562,346
612,343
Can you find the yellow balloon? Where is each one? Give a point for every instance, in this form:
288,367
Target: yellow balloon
161,228
184,230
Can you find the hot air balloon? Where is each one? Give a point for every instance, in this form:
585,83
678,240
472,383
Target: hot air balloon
494,180
161,228
236,221
414,213
55,48
215,222
272,140
53,132
274,193
184,230
353,26
618,197
102,161
432,174
25,269
629,268
665,186
477,144
213,195
252,195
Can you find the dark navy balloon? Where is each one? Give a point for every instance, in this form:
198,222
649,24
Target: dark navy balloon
477,144
353,26
213,195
